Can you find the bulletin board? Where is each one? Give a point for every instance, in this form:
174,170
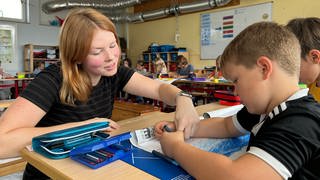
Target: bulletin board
7,43
219,28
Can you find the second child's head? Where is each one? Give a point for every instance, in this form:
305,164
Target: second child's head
262,57
307,31
182,61
140,65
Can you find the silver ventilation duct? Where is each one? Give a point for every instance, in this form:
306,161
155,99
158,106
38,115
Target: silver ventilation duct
137,17
165,12
58,5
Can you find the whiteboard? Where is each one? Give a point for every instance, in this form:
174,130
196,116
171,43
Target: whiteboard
219,28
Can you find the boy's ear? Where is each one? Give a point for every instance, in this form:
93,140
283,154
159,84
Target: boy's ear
265,65
315,55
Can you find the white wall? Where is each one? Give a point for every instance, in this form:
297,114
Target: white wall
32,33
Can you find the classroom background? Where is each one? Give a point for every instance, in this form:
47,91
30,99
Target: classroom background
139,36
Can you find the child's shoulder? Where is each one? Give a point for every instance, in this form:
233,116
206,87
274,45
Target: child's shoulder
305,106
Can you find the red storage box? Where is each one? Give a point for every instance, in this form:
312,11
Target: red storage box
227,98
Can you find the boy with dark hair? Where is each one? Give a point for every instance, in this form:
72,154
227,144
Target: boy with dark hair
284,121
307,31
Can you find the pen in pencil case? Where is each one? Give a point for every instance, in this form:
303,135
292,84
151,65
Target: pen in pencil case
160,155
120,147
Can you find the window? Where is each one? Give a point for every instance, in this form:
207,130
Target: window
14,10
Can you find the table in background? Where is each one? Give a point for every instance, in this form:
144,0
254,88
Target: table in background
125,110
69,169
204,90
15,84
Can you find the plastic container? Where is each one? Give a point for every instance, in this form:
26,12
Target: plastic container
174,57
154,48
146,57
95,155
164,56
166,48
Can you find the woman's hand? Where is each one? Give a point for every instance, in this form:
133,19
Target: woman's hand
186,117
112,125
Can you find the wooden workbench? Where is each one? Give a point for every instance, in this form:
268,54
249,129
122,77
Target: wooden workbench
69,169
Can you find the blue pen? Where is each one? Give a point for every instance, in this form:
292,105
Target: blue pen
166,128
160,155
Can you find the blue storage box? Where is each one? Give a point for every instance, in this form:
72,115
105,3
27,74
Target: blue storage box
146,57
154,48
153,56
174,56
164,56
166,48
182,49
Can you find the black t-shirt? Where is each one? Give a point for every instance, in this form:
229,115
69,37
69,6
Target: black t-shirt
288,138
43,91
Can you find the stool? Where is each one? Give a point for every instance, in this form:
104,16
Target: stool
200,95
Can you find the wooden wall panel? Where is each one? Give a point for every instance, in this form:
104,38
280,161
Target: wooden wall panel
156,4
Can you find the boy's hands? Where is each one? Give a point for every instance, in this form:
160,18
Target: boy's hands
168,136
170,142
160,127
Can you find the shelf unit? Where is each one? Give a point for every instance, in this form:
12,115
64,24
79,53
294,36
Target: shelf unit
168,57
39,53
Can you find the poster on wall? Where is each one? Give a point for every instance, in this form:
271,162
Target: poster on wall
219,28
7,43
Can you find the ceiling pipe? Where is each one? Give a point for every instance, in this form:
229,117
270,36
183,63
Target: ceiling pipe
201,5
169,11
58,5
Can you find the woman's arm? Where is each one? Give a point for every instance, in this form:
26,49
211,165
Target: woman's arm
186,117
17,126
154,89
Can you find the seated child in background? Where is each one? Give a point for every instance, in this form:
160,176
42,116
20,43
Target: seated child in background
160,66
38,68
307,31
184,68
127,63
263,62
140,68
217,74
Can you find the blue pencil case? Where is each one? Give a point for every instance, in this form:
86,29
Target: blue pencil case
58,144
95,155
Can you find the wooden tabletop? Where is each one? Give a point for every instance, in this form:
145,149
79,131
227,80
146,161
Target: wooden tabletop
206,82
6,103
16,79
69,169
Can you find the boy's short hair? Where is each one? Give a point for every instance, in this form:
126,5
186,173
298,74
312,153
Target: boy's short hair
181,59
140,62
307,30
264,39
